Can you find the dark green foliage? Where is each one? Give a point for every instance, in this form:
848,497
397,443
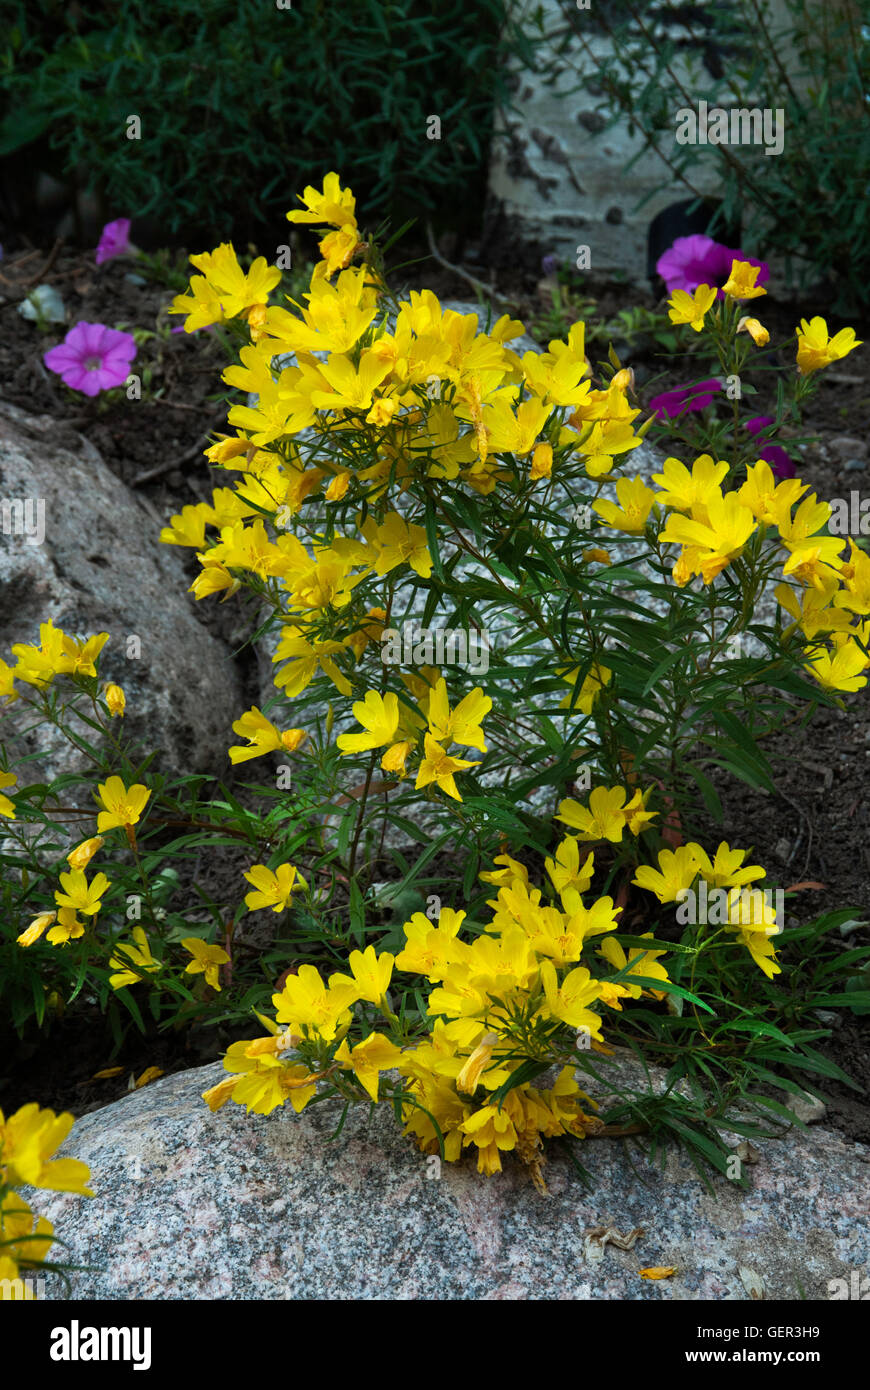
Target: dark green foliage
242,103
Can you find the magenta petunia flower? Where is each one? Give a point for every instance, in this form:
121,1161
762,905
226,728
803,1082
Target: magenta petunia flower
92,358
114,240
699,260
685,398
774,454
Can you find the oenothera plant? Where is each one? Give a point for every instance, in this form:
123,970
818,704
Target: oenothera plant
483,649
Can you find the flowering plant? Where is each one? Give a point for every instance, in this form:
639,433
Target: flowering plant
493,637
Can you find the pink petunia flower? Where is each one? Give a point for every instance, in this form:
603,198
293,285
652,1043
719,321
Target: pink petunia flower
699,260
774,454
684,399
92,358
114,240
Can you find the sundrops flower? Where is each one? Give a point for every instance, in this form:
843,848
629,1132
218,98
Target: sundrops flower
79,894
437,766
7,807
273,887
27,1141
206,960
128,954
741,282
123,806
691,308
263,737
816,348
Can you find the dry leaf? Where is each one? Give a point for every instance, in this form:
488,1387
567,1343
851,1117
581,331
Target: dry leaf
747,1152
595,1239
658,1272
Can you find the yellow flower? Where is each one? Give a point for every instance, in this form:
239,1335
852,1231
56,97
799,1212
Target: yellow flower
635,504
8,693
200,304
338,487
379,715
757,331
691,308
816,348
842,671
741,282
206,960
273,886
79,894
593,684
237,289
437,766
371,974
462,725
24,1240
132,953
37,927
303,658
123,806
7,806
333,205
691,492
397,542
263,737
568,1001
726,869
81,856
542,462
643,963
373,1055
604,820
306,1002
27,1141
116,700
677,870
712,545
565,871
68,927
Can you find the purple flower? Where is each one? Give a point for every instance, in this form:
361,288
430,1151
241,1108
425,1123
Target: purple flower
92,358
773,454
699,260
114,240
550,264
685,398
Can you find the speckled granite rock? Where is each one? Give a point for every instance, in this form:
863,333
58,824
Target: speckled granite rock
100,568
192,1205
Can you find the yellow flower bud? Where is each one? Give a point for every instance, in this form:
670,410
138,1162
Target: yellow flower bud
81,856
116,700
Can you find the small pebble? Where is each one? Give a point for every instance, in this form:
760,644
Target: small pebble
855,466
847,446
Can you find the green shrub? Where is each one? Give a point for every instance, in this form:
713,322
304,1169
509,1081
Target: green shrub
242,102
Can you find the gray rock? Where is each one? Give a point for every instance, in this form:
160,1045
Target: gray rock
855,465
100,568
192,1205
807,1108
847,446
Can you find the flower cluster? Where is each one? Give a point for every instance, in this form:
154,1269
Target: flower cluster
538,983
28,1139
